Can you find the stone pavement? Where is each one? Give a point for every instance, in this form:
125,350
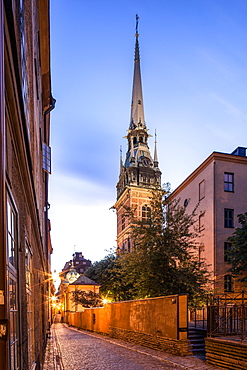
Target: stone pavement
72,349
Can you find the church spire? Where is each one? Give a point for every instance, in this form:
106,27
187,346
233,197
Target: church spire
156,161
137,111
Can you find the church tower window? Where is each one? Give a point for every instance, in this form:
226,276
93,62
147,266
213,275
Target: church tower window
146,212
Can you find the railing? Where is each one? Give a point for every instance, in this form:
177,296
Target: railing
198,317
227,315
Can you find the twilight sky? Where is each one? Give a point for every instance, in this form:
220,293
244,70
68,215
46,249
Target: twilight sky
194,77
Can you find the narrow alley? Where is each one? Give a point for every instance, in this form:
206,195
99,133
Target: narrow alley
72,349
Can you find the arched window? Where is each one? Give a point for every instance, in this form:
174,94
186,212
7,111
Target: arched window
146,212
134,140
141,139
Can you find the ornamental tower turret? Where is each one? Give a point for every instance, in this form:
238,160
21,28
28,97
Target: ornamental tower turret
139,173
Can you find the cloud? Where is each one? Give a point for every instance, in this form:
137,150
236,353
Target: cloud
229,108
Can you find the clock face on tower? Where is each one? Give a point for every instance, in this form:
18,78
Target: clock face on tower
145,162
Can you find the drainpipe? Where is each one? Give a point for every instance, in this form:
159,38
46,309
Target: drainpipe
47,205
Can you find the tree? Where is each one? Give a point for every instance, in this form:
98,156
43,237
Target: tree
86,299
237,254
108,273
164,260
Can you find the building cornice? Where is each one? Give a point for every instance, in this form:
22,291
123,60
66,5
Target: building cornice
215,156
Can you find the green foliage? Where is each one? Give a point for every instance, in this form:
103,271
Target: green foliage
164,260
238,252
108,273
86,299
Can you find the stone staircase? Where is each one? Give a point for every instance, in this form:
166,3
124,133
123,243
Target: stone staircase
196,337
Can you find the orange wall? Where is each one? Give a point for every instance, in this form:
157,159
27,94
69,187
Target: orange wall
153,316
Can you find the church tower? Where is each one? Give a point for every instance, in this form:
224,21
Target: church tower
139,173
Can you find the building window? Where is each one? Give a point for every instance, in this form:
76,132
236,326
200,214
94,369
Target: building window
46,151
13,323
30,320
227,247
123,222
228,217
228,181
128,244
228,283
202,190
11,233
186,202
146,212
201,222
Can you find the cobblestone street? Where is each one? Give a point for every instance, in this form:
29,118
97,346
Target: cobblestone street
72,349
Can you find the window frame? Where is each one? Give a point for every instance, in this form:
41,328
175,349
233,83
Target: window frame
201,190
201,222
227,247
228,221
228,183
146,212
228,283
12,237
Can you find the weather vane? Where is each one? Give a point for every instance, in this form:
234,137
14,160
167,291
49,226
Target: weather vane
137,19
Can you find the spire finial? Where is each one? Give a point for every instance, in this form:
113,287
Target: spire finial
156,162
137,19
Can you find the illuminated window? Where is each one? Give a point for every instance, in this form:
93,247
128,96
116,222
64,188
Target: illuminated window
228,217
30,319
13,323
11,233
228,181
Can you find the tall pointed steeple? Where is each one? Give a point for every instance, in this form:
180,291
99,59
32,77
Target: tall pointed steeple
156,161
139,173
139,168
137,110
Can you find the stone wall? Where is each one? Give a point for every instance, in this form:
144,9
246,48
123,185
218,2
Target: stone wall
159,323
176,347
226,353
